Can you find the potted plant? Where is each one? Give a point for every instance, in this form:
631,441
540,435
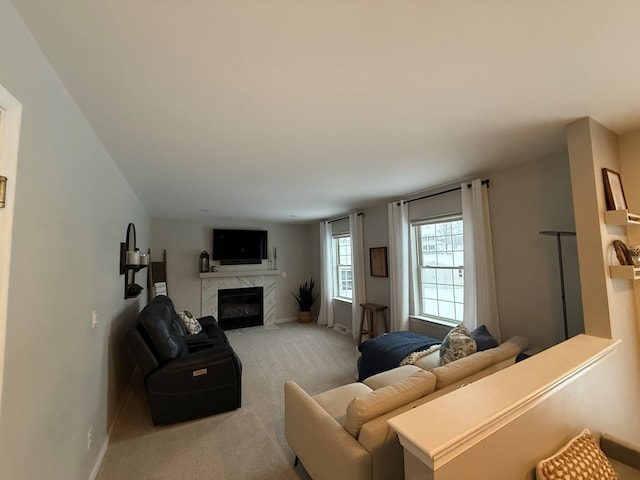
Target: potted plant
305,300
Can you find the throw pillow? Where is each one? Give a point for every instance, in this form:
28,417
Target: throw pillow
191,324
362,409
457,344
484,339
580,458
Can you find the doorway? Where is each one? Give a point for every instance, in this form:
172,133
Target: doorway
10,115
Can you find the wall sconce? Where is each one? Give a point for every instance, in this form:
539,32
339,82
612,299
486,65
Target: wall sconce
3,190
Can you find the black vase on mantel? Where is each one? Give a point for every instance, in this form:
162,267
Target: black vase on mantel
204,262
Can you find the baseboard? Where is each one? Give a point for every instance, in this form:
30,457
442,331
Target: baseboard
286,320
107,439
98,464
341,328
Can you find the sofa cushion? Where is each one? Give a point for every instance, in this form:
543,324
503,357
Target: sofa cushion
364,408
580,458
457,344
484,339
395,375
336,400
510,348
461,368
430,361
156,320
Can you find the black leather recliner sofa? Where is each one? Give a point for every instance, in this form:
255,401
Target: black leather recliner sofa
186,376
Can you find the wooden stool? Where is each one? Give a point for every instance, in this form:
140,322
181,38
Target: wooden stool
368,311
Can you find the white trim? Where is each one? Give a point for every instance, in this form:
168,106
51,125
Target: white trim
114,422
239,273
343,300
341,329
11,112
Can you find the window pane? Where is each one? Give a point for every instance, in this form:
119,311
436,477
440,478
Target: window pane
343,286
428,229
445,259
430,307
440,253
445,292
447,310
445,276
458,293
428,275
429,290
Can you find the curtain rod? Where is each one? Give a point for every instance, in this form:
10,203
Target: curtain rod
343,218
484,182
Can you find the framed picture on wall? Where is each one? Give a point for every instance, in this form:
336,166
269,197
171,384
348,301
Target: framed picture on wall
378,262
613,190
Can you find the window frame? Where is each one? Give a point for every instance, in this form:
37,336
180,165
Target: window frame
338,267
417,267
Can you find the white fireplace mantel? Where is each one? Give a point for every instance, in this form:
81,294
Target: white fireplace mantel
239,273
211,282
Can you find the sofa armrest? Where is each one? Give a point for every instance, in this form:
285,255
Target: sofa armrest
218,366
197,341
326,450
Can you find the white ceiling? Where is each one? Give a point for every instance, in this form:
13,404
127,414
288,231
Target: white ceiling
260,110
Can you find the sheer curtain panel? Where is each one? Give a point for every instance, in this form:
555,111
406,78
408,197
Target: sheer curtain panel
399,265
357,262
325,317
480,301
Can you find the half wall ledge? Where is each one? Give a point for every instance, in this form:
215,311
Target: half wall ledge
507,395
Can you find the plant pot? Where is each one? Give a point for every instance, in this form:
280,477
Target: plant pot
304,317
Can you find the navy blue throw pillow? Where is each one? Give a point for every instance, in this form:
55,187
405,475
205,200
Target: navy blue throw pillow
483,338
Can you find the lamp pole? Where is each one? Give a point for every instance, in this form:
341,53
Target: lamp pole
558,234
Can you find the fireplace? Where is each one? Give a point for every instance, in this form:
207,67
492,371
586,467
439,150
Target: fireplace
240,307
212,282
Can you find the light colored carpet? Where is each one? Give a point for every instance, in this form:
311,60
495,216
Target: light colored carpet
247,443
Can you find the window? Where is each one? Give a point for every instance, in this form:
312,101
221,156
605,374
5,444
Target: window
343,287
440,265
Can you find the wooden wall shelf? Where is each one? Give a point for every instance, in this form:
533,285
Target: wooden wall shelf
621,217
627,272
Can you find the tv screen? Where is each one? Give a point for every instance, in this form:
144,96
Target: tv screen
239,246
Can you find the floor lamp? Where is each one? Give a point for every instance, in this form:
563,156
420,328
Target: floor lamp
558,235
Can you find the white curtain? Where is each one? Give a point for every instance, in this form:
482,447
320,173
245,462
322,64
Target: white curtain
325,317
357,263
399,265
480,302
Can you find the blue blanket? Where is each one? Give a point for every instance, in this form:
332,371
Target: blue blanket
387,351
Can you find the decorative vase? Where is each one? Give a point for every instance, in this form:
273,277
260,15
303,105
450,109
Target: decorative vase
304,317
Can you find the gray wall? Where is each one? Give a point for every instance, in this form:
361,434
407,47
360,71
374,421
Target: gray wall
296,246
524,200
61,377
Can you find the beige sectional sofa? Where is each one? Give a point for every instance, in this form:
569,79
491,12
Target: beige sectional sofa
343,433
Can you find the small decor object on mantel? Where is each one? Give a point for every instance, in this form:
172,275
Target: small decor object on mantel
305,300
204,262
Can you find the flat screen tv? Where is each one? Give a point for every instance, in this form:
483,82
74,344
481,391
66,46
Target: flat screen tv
236,247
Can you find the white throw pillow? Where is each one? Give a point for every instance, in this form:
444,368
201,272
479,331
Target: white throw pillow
191,324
